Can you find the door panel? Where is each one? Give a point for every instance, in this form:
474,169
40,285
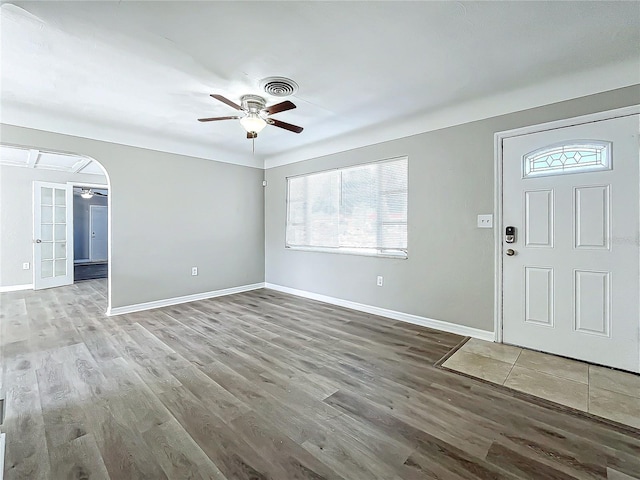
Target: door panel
539,293
572,287
538,218
53,242
591,217
593,300
98,243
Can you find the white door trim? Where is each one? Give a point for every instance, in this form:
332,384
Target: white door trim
499,137
2,447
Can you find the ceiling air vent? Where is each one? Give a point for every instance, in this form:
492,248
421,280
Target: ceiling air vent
278,86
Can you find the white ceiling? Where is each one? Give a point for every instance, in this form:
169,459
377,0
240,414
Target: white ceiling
140,73
32,158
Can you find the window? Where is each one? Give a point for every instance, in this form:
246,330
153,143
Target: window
572,157
361,210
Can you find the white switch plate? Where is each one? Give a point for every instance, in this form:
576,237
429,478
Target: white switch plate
26,266
194,271
379,280
485,221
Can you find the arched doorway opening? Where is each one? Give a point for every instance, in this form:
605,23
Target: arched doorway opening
40,197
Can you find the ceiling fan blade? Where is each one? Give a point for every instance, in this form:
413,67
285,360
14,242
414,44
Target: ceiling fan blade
227,101
280,107
285,125
215,119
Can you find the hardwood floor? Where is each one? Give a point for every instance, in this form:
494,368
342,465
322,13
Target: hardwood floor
263,385
90,270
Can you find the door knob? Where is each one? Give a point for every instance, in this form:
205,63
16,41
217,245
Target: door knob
510,252
38,241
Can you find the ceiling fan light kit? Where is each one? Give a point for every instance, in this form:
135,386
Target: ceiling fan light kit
256,114
86,193
253,123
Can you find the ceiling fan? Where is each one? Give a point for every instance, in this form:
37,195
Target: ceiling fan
88,193
256,114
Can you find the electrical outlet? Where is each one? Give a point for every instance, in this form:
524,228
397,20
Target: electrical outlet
194,271
26,266
485,221
379,281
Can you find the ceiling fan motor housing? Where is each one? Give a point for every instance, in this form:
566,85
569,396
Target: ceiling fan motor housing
253,103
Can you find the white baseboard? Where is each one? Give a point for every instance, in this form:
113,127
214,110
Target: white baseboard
16,288
184,299
395,315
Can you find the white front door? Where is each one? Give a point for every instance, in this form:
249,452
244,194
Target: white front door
571,281
98,246
53,235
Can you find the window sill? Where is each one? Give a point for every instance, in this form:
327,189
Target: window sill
347,251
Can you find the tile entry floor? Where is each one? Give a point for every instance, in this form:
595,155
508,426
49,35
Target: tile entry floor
597,390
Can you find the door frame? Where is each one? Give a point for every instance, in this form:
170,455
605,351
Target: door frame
91,210
107,188
499,138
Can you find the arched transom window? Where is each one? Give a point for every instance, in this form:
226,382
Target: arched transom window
568,157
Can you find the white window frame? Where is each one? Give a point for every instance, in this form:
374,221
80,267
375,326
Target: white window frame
369,252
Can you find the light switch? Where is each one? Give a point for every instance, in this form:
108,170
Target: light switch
485,221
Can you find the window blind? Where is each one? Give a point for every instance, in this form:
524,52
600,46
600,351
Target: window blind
361,209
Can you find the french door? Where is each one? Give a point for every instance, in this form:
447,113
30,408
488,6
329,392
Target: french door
53,235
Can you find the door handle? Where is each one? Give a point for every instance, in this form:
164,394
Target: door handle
38,241
510,252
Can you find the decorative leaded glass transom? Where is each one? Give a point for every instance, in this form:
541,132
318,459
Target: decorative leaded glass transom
568,157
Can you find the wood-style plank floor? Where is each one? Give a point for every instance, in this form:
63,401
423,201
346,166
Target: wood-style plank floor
263,385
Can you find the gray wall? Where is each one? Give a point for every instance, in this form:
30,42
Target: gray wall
16,217
81,223
450,270
169,213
